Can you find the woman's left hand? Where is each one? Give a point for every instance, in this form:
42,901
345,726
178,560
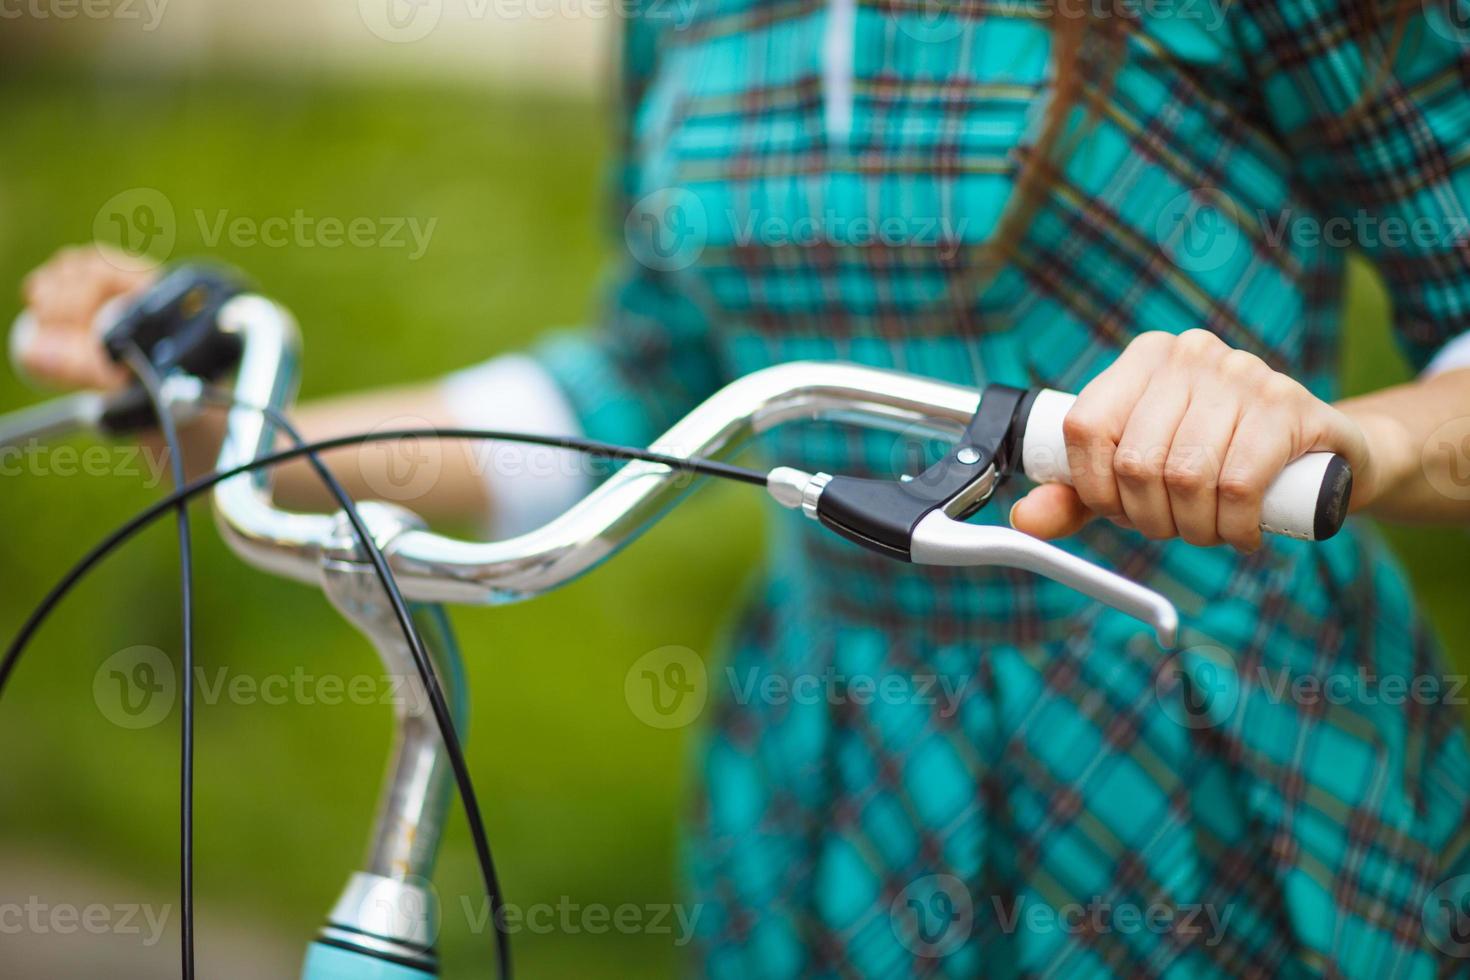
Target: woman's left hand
1180,437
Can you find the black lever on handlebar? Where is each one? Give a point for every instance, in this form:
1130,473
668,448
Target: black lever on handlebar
175,324
882,514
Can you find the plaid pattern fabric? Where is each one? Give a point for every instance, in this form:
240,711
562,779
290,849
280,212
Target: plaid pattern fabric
1041,791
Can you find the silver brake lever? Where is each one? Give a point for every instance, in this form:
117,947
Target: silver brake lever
938,539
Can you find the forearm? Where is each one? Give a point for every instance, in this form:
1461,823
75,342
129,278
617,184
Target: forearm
1419,434
436,479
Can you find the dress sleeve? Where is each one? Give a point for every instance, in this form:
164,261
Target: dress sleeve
1371,100
649,359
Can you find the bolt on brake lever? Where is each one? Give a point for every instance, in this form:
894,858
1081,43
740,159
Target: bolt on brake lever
921,520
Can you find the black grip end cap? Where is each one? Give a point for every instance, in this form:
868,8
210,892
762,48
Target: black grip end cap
1332,499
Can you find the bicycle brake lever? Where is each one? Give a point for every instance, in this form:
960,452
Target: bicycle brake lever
921,520
938,539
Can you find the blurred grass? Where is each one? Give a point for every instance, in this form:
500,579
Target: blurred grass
582,799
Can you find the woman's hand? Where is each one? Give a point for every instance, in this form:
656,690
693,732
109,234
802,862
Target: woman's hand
58,345
1180,437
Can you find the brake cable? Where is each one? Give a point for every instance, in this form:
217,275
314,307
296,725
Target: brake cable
148,377
191,489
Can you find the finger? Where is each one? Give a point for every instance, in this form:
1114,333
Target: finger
1049,511
69,360
1097,419
1192,470
1143,450
85,363
1262,445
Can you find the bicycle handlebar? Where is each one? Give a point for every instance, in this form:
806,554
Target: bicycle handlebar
918,521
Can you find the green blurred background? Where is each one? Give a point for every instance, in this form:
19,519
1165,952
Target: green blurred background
582,799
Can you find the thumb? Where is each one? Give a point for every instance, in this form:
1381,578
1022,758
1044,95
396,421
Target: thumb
1051,510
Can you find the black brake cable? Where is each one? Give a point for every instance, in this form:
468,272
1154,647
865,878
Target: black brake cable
148,377
443,719
141,520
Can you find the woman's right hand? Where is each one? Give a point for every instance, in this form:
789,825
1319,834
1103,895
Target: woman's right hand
57,343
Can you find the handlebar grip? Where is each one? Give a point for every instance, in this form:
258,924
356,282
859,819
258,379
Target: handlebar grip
1308,501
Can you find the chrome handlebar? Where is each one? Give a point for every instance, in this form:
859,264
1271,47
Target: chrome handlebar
434,568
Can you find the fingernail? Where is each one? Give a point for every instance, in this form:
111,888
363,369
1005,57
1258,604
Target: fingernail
1011,517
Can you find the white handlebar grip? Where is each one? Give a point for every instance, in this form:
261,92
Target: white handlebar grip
1308,501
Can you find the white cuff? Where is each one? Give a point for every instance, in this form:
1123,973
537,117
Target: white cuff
528,485
1451,357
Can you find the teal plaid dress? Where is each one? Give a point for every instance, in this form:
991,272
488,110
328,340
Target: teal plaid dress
998,777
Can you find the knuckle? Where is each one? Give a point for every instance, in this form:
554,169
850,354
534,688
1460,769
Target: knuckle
1277,389
1238,488
1241,365
1082,426
1196,345
1137,465
1153,339
1185,475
